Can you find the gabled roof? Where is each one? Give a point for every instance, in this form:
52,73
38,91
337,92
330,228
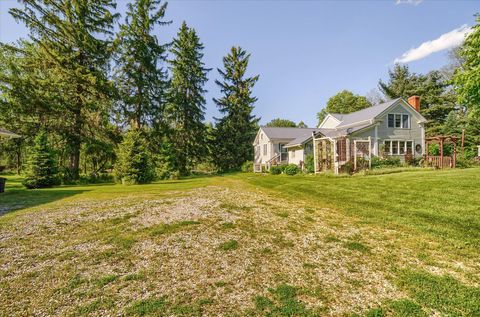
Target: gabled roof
369,113
8,134
365,117
286,133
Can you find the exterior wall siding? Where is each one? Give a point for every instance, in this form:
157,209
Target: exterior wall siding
414,133
295,155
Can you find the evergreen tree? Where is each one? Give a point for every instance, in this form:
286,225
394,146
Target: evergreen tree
73,37
437,99
302,124
139,75
186,101
42,167
134,161
236,130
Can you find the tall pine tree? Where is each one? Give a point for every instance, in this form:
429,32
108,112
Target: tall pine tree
186,101
437,97
74,37
42,167
236,130
140,74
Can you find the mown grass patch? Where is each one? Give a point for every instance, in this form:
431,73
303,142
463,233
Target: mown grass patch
356,246
442,293
229,245
171,227
163,307
282,301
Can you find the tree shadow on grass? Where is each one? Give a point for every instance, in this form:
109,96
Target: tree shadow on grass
17,197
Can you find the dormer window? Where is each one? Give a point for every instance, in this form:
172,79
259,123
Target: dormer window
396,120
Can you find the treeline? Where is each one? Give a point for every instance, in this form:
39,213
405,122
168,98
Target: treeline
450,97
88,99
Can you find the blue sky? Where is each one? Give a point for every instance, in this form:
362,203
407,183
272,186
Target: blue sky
307,51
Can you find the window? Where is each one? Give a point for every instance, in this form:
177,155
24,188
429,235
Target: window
387,146
409,148
394,147
391,119
261,136
264,149
398,147
399,121
406,121
401,147
293,154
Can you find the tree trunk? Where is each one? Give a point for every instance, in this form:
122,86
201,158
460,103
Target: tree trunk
75,145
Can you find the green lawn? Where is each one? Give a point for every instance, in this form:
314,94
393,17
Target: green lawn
403,244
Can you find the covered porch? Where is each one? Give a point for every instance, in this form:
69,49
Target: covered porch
341,153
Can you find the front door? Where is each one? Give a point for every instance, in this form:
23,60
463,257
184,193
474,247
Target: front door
283,152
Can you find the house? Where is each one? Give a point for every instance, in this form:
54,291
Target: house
270,145
394,128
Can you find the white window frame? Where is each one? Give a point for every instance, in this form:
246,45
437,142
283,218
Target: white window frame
265,150
395,115
398,146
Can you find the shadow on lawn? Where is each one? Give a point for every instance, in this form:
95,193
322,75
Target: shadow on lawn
17,197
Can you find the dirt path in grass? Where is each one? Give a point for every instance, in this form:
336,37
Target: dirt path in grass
213,251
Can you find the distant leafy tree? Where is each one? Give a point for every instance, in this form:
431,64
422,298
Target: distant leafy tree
281,123
343,102
437,97
186,101
134,161
466,78
302,124
74,38
42,167
236,130
139,74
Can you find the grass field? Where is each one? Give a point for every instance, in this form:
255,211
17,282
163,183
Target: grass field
403,244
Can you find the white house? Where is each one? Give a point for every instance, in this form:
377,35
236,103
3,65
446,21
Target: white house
394,128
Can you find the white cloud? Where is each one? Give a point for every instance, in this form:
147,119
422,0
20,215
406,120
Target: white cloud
445,41
413,2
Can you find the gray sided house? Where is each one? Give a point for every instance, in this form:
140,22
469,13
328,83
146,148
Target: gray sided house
394,128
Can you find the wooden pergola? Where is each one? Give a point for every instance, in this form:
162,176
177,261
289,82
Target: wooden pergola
441,161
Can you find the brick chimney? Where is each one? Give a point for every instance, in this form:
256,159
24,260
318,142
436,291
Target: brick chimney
414,101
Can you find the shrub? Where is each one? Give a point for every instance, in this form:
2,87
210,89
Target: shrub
309,164
275,170
247,167
208,168
381,162
134,164
348,167
42,168
291,169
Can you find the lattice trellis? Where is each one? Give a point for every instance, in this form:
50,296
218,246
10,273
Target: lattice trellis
362,154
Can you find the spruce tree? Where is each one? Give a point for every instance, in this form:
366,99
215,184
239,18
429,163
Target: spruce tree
134,161
140,74
186,101
236,130
437,97
42,167
74,38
